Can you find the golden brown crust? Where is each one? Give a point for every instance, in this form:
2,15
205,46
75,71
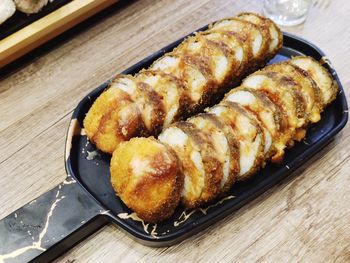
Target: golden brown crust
288,103
259,108
212,167
201,63
243,35
307,89
284,85
259,159
267,104
288,84
196,93
312,83
154,193
270,23
104,125
189,105
163,86
263,26
236,67
267,22
280,38
283,134
334,86
233,148
153,98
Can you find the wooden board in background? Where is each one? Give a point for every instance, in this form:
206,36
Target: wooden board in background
48,27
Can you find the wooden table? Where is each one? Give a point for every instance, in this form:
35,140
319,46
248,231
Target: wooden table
304,218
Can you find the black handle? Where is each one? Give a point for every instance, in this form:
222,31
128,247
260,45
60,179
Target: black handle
49,225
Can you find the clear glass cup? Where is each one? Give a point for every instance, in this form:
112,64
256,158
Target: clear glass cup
287,12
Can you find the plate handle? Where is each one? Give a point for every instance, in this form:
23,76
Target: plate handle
51,224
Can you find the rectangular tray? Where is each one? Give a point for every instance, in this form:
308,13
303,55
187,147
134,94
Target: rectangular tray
94,174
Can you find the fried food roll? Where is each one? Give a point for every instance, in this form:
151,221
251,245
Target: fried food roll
114,118
305,86
283,93
198,73
247,131
219,62
266,24
257,37
235,51
171,91
269,116
148,178
232,140
209,161
205,67
224,147
188,150
320,75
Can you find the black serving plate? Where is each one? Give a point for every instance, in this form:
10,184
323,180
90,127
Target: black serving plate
85,200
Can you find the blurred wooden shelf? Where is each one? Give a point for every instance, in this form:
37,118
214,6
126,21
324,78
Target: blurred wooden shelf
48,27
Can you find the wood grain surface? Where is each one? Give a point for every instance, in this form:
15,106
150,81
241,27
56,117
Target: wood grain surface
306,218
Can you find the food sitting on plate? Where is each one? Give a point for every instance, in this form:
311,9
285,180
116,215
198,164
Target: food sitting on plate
254,123
195,75
196,161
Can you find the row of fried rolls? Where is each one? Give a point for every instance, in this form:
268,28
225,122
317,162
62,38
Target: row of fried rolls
183,82
197,160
